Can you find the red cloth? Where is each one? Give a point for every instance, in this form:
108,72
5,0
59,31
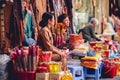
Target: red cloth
109,69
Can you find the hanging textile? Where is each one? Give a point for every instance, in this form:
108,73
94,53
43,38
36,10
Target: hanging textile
69,6
57,7
119,4
77,4
14,30
39,7
36,26
5,13
28,28
19,18
57,12
50,7
114,7
1,3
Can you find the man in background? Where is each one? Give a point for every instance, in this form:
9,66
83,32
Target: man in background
88,31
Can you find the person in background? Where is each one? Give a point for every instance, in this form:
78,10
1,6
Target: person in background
45,38
88,32
116,20
108,29
111,21
116,37
63,28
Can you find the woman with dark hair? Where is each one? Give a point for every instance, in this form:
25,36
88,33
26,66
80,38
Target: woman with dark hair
63,30
45,38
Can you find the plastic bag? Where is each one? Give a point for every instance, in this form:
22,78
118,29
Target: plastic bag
4,59
4,77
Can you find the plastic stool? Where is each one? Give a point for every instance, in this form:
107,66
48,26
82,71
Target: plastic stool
93,73
77,72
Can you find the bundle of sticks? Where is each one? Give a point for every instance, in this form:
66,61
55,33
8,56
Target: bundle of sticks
25,59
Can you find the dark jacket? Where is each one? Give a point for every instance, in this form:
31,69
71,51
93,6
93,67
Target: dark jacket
88,33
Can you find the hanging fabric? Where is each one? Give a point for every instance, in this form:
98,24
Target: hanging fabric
50,7
28,28
18,8
69,6
5,13
1,3
39,7
78,4
36,26
114,7
58,9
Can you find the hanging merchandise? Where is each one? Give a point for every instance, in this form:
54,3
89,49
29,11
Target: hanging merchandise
39,7
16,34
2,2
57,7
5,15
78,4
114,7
28,25
69,5
50,6
18,8
94,3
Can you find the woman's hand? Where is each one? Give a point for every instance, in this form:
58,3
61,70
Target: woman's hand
62,53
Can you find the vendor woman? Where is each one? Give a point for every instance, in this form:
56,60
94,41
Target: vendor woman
45,38
63,28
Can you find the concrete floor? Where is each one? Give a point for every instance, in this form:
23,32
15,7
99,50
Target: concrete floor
115,78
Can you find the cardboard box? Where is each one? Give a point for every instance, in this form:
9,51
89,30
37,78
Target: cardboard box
55,76
42,76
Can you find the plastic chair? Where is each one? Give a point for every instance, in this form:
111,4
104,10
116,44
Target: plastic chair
77,72
93,73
